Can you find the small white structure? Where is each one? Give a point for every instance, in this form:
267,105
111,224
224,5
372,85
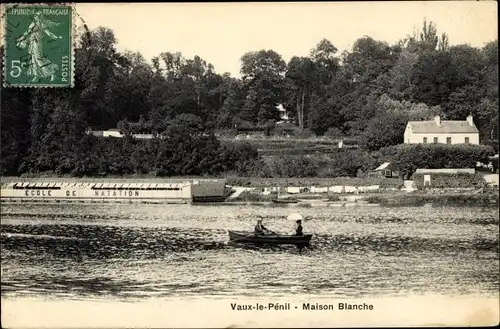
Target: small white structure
408,186
266,191
351,189
295,189
282,112
238,190
386,170
112,133
369,189
116,133
336,189
143,136
439,131
341,189
491,179
446,171
315,189
427,180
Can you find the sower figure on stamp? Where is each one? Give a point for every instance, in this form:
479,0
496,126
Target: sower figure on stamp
38,65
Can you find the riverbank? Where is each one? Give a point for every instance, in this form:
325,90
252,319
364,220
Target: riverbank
308,192
438,197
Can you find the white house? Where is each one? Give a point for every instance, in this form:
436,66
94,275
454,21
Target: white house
441,131
283,113
116,133
112,133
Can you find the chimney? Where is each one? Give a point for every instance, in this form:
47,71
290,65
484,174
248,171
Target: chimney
438,120
470,121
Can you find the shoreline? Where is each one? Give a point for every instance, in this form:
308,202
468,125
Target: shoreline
353,194
416,201
439,197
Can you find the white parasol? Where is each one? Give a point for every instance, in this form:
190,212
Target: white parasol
295,216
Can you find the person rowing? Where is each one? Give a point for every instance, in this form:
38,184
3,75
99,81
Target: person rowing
298,229
260,229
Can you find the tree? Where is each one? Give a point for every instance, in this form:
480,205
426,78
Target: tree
129,96
402,75
233,103
325,60
15,138
302,78
369,59
427,39
105,64
263,77
434,78
388,123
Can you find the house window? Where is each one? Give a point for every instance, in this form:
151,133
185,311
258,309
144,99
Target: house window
435,140
425,140
448,140
466,140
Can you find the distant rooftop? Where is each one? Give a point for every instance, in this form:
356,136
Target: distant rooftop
383,166
443,126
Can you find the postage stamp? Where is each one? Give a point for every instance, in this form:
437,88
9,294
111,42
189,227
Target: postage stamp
38,41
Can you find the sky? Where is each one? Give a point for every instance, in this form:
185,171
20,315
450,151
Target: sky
220,33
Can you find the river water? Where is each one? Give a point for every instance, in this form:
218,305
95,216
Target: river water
135,252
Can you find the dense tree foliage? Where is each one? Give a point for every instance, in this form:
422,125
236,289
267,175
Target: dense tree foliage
367,93
409,157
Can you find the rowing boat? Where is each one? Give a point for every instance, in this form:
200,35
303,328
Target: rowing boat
250,237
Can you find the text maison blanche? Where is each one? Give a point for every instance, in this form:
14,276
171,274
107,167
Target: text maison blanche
305,307
340,307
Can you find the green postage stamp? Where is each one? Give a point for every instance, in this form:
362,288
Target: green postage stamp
38,41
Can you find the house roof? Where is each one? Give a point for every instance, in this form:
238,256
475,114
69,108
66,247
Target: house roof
445,127
383,166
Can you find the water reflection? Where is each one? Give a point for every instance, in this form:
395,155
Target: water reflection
142,251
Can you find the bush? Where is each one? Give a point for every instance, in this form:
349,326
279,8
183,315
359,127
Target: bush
337,163
293,166
227,133
305,133
304,205
334,133
415,200
346,163
334,197
184,153
410,157
374,199
314,181
444,180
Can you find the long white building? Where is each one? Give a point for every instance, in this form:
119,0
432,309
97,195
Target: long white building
101,191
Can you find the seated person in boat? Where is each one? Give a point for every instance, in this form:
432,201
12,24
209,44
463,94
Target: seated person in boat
260,229
298,229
